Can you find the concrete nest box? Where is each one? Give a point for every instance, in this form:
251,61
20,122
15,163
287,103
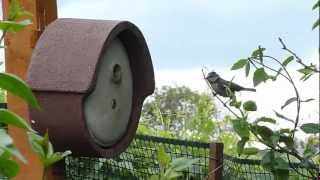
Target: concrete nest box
90,78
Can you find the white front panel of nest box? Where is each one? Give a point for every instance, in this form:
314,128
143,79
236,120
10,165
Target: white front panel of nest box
108,107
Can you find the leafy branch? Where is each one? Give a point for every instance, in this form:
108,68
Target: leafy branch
170,169
310,67
280,141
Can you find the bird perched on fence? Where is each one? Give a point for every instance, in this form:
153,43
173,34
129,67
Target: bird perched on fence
220,85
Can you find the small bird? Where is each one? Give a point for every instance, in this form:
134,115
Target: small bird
220,85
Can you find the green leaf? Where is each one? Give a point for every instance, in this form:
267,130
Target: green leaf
264,132
287,140
12,26
306,77
307,72
278,166
163,157
258,53
5,155
241,144
287,60
247,69
250,151
307,100
316,5
173,175
7,147
250,106
180,164
14,152
310,128
43,148
283,117
268,160
241,127
46,145
36,145
10,118
316,24
239,64
304,71
16,11
8,168
286,130
265,119
310,151
259,76
18,87
55,157
5,139
281,164
154,177
275,137
289,101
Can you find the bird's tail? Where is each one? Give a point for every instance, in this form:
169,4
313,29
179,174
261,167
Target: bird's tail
249,89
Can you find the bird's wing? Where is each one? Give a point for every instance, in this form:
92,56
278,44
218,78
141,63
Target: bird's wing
235,87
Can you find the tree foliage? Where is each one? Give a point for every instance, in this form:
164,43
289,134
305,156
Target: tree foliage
179,112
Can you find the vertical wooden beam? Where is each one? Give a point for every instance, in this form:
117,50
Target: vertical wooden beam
18,51
216,161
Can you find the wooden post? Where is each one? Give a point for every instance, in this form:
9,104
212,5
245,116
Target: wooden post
216,161
18,51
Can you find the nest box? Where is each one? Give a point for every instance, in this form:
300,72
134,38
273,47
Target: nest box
90,78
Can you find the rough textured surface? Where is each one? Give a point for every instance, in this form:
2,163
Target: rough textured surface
63,73
67,54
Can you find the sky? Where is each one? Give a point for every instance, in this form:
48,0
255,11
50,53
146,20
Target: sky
185,36
196,33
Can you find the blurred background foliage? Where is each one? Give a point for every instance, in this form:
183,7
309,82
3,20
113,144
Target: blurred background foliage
181,113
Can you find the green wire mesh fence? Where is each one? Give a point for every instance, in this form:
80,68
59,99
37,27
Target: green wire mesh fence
249,169
139,161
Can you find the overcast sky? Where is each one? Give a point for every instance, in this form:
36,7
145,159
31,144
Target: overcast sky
185,36
189,33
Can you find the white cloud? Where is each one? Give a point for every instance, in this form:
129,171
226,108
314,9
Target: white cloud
270,96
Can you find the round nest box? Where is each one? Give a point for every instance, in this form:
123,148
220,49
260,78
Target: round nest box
90,78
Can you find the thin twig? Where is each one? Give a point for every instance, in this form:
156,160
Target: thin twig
262,64
2,36
295,90
289,78
299,60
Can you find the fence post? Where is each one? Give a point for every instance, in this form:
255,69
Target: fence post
215,161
